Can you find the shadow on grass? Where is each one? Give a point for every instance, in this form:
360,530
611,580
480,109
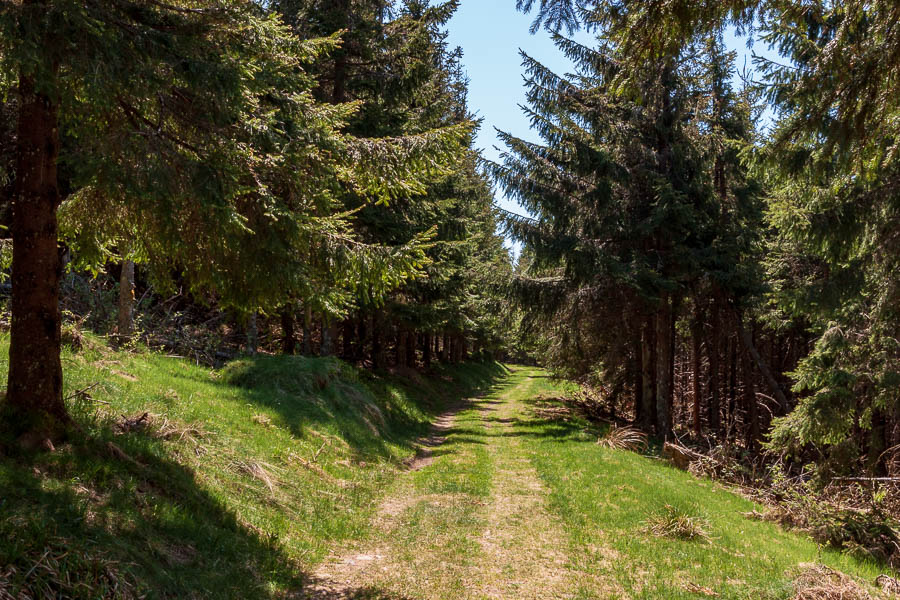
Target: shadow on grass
368,593
368,410
119,517
95,520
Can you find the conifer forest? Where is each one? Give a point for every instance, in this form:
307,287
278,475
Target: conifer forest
286,312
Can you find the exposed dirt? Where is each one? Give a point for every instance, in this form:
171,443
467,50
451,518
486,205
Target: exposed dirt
523,543
425,454
337,578
507,545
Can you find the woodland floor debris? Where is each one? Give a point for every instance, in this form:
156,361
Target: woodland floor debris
817,582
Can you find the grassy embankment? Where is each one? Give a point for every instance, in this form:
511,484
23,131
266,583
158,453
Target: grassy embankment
242,480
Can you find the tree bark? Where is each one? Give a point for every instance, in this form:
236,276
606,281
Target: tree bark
307,331
349,338
378,353
648,369
747,341
732,381
664,358
362,338
328,337
400,348
126,300
697,334
288,343
751,409
426,353
252,331
34,392
712,350
341,59
637,376
412,340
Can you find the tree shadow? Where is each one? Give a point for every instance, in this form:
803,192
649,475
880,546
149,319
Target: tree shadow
111,513
361,407
321,590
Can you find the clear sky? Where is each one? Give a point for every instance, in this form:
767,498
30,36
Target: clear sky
491,32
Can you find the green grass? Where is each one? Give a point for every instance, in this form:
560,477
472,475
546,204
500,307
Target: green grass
460,479
606,498
267,465
273,462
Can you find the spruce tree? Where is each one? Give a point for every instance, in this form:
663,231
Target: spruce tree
196,130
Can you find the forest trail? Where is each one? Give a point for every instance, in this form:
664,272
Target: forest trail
511,497
470,519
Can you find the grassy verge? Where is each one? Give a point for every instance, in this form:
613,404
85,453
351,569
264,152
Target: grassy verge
234,486
610,499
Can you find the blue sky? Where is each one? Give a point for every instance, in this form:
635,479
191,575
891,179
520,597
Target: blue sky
491,32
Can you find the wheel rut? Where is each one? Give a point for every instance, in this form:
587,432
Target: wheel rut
438,541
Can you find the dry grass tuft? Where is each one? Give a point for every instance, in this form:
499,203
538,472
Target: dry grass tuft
257,471
173,431
261,420
888,584
133,424
72,336
675,523
818,582
61,572
624,438
700,590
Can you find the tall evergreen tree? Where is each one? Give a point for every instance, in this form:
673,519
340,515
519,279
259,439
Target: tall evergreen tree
196,128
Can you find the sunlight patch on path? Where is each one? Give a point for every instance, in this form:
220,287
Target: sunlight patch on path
472,522
523,543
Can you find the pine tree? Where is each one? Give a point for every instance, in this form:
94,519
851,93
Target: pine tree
395,62
195,128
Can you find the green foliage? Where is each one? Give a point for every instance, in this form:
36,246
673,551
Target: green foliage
395,65
637,189
193,143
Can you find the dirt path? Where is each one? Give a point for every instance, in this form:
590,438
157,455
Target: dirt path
470,521
344,575
523,543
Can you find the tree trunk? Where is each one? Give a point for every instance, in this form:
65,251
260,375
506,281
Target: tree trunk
252,332
712,350
412,341
664,358
426,353
751,409
400,347
307,331
362,338
34,392
878,443
732,381
648,372
329,333
747,340
126,301
288,343
349,338
637,377
341,60
697,388
378,354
